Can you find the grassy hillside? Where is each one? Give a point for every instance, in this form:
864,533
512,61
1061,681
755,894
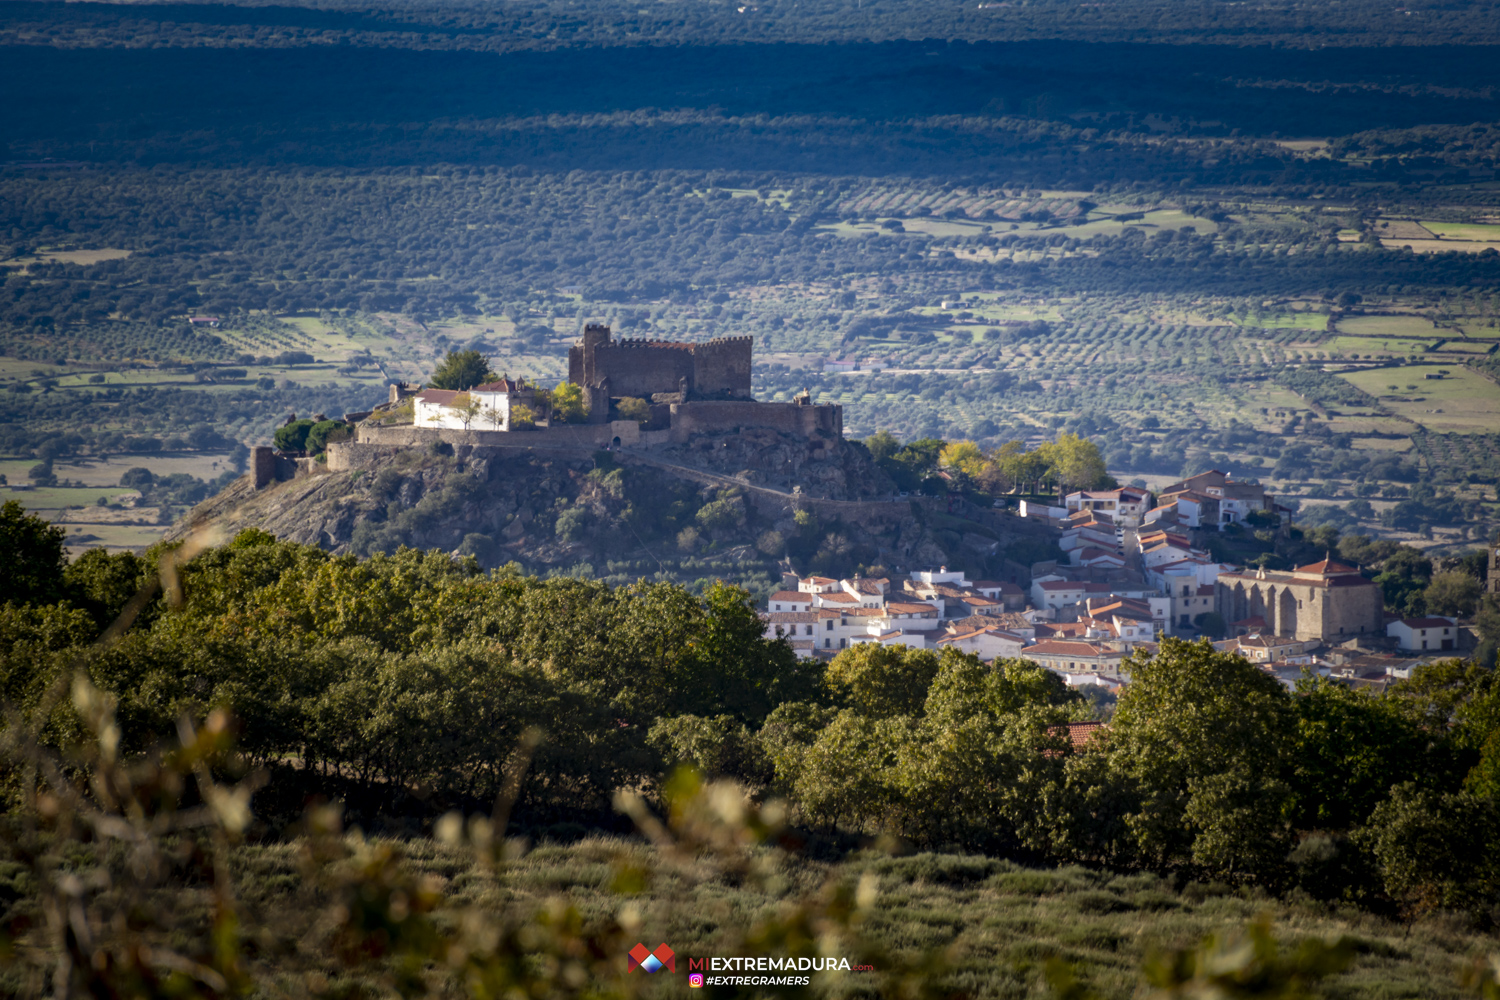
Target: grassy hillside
979,927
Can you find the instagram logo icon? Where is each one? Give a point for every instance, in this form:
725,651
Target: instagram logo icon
696,980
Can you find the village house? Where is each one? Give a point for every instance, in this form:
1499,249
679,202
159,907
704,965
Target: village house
1069,656
1083,534
1021,623
798,627
485,407
1232,499
1057,593
912,616
790,600
955,596
988,643
1197,510
896,637
1114,685
1126,505
1156,610
1010,596
1265,649
1126,630
1421,634
871,593
1094,557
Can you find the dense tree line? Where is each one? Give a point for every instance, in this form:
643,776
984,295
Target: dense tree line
1208,764
550,24
417,671
408,669
375,241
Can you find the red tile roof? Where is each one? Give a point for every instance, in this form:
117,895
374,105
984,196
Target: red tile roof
1327,567
502,385
997,632
791,595
1080,733
1427,622
1064,647
442,397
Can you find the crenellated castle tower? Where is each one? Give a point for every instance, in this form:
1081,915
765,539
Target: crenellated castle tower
659,371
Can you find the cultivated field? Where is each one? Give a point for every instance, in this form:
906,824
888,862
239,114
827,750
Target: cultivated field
1463,401
1419,327
105,472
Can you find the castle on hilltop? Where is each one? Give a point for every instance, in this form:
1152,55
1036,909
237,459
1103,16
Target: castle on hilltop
691,390
658,371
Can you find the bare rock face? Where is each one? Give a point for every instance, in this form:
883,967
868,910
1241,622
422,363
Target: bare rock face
837,470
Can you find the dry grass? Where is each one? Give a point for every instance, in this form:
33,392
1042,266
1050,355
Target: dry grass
1000,920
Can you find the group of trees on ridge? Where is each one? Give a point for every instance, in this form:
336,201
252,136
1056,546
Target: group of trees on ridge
417,671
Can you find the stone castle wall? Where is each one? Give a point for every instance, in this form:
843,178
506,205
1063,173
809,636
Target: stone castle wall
821,425
643,368
617,432
824,422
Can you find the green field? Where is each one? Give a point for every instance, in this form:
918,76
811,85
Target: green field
1478,232
52,498
1372,345
1470,403
1282,321
1390,326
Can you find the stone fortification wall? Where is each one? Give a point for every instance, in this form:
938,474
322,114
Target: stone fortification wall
621,432
824,421
822,426
643,367
267,465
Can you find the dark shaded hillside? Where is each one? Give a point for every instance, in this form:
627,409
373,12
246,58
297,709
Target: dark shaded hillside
544,25
340,104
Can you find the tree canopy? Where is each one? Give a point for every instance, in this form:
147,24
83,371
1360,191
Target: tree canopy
462,370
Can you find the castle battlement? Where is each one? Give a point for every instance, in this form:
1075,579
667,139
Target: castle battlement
646,342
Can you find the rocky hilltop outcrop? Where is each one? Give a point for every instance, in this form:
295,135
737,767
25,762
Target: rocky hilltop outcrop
739,505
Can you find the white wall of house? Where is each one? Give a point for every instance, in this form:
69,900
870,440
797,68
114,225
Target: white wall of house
493,414
988,645
1424,634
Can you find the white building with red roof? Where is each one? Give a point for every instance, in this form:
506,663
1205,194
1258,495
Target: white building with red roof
1125,505
488,407
1072,656
987,643
1424,634
789,600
